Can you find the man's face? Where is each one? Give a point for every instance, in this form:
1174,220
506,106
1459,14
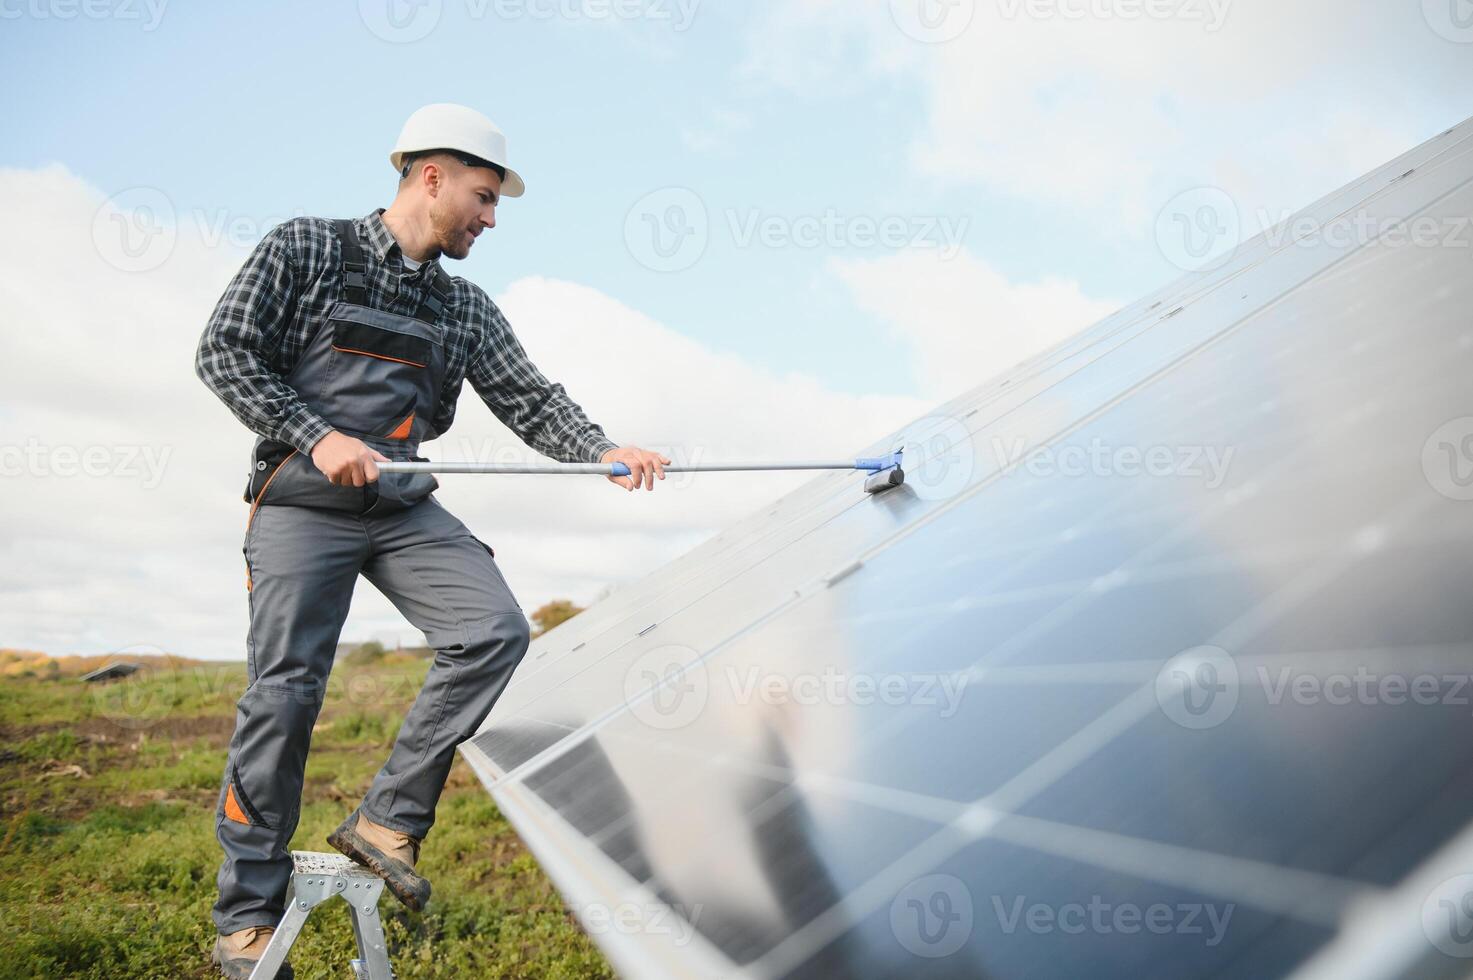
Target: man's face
464,206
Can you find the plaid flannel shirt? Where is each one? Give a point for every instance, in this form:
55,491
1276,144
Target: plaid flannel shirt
283,293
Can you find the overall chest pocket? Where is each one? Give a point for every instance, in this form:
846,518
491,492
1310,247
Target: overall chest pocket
378,367
367,340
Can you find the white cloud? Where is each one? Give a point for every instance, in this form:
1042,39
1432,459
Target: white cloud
1105,117
1086,106
99,361
965,320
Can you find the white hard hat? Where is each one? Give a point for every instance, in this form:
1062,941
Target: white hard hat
447,126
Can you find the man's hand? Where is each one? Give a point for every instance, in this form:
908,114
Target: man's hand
644,465
346,461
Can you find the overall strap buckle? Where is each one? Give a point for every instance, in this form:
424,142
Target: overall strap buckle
355,268
435,299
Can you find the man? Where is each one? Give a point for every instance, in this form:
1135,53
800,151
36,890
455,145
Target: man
341,345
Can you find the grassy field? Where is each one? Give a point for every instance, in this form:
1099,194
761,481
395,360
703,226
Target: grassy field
108,859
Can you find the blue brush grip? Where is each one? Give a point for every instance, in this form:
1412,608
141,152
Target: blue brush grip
619,469
877,463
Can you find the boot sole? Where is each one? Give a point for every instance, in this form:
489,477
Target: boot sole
405,885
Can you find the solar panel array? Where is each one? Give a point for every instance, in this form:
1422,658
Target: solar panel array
1156,665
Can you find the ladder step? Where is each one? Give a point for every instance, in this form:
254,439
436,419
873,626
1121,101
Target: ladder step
318,877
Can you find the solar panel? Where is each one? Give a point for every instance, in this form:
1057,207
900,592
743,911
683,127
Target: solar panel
1157,665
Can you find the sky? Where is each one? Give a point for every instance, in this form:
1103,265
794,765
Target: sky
751,230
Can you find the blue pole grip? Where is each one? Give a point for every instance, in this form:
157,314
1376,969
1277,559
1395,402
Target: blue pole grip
877,463
619,469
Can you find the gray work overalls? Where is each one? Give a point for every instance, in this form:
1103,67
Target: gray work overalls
376,376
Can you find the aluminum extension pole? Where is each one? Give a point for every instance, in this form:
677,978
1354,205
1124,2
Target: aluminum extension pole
869,463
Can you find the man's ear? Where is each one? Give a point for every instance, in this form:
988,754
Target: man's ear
433,177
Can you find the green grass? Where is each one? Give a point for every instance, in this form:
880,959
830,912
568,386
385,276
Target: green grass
108,853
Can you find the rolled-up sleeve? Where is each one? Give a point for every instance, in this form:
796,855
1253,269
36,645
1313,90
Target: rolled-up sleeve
539,411
234,357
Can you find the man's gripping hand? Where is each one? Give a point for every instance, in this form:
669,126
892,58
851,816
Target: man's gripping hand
644,465
347,462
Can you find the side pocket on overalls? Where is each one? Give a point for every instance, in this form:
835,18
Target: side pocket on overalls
496,570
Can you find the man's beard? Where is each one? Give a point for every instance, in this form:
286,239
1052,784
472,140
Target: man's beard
449,237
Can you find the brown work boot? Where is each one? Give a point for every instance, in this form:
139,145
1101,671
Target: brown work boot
237,954
389,854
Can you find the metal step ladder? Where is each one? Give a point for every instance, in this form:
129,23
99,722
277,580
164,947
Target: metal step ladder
316,878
